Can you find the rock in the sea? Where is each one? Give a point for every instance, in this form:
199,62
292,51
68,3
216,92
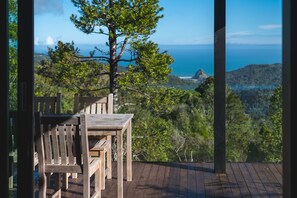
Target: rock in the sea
200,76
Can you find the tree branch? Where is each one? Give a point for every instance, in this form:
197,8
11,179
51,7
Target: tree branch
127,60
106,34
123,47
87,58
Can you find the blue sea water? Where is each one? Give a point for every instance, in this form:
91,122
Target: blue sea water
190,58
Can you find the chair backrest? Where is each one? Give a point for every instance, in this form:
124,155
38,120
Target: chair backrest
60,144
48,104
93,105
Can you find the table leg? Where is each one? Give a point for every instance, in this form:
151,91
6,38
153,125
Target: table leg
129,152
120,163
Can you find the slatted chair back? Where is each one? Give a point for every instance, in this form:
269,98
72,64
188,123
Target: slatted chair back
93,105
59,144
48,104
62,146
97,105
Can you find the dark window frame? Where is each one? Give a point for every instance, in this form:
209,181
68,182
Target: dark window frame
26,33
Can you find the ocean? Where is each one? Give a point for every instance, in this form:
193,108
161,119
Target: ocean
190,58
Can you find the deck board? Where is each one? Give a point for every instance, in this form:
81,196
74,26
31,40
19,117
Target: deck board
191,180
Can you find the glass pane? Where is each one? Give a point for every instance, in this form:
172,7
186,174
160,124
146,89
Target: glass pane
168,111
254,80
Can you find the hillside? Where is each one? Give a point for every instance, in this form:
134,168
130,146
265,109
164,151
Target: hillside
254,84
255,75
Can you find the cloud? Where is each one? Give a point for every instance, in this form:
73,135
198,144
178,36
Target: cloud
36,41
49,41
270,26
238,34
48,6
253,38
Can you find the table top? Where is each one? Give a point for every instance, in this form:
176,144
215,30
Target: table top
94,121
108,121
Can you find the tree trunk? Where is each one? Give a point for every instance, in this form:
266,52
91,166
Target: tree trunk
113,61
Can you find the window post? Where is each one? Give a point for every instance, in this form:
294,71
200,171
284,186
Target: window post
219,86
25,115
289,100
4,105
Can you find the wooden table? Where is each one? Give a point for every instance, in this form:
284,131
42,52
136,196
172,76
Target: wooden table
115,125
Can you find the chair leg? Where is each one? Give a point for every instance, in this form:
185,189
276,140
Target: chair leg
102,174
65,180
109,159
42,185
86,185
98,181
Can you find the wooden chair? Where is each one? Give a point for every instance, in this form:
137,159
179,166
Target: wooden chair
48,104
63,148
93,105
98,147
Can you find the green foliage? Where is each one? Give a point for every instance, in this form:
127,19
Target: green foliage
206,90
192,138
255,101
12,7
151,136
66,72
275,110
126,23
151,67
12,54
238,124
66,69
270,142
128,17
255,75
239,133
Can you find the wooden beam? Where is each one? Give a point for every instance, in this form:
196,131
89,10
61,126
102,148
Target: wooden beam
289,99
219,86
25,98
4,106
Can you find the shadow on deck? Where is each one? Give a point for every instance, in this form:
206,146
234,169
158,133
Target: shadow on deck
192,180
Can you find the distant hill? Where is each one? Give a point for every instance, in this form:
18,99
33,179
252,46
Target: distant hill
254,84
200,76
255,75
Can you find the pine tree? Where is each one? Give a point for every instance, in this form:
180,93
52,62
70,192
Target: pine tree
126,23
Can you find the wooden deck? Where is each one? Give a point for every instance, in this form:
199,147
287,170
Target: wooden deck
192,180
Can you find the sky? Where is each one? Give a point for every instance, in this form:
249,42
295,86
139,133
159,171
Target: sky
185,22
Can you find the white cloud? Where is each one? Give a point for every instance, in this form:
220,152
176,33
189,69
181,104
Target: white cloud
270,26
238,34
36,41
49,41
